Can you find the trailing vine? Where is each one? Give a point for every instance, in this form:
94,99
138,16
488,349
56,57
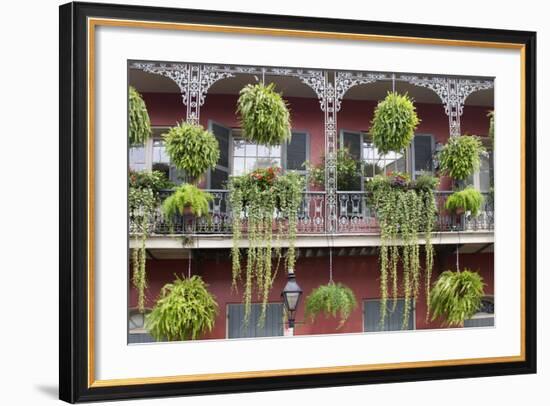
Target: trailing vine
141,206
269,201
138,118
404,210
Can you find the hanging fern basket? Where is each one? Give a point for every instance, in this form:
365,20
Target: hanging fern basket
460,156
394,122
456,296
138,119
332,300
192,149
185,310
265,118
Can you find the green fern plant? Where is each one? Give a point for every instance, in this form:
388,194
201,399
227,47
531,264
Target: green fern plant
185,197
456,296
333,299
184,310
138,119
394,123
469,199
265,118
460,157
192,149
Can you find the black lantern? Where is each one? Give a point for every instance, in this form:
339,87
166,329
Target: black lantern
291,296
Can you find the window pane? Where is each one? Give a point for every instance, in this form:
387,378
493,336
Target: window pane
238,166
250,149
137,158
248,156
238,147
275,151
159,152
263,150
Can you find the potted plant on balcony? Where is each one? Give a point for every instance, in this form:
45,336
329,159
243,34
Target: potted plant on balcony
347,171
466,200
138,119
394,122
332,299
267,202
456,296
184,310
264,114
187,199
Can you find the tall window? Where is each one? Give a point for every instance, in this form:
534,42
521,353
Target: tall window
375,163
248,156
161,160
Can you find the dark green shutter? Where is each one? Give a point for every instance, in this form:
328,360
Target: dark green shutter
219,175
393,321
273,325
422,154
296,152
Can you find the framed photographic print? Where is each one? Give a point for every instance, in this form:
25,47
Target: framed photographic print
256,202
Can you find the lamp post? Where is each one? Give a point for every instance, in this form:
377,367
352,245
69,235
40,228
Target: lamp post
291,296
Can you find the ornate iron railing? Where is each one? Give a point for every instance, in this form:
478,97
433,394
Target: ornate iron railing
355,215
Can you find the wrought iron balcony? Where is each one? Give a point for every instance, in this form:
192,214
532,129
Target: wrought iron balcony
355,215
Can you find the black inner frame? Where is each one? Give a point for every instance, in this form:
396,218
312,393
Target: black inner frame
73,289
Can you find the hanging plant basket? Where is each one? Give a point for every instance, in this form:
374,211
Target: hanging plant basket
184,310
456,296
192,149
332,300
138,119
469,199
265,118
187,200
394,122
460,156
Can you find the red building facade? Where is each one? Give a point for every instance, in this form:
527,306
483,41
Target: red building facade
353,247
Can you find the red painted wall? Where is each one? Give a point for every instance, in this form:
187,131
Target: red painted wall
359,273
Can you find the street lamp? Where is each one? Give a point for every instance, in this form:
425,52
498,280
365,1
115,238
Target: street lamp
291,296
